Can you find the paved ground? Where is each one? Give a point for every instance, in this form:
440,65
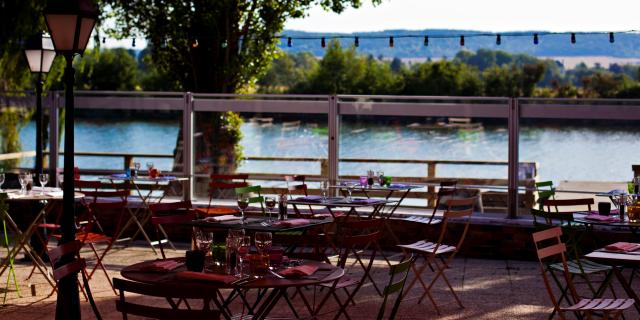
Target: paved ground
489,289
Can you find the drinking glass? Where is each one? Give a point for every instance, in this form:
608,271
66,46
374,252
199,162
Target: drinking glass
263,241
381,178
243,203
43,178
244,243
204,240
324,188
370,175
149,166
349,190
364,180
231,258
1,180
137,166
22,178
270,202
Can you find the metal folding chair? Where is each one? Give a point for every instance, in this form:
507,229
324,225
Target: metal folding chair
218,185
395,285
549,246
431,251
169,213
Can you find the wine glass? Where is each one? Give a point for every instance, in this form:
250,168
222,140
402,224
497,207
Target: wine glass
1,180
244,243
370,175
43,178
324,188
137,166
243,203
381,178
22,178
270,202
263,241
349,190
204,240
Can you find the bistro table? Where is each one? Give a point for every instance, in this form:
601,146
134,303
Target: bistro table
258,224
397,190
276,286
617,261
142,214
340,202
52,197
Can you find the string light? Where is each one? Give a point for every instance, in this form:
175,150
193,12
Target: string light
611,38
195,43
535,38
462,41
498,39
426,41
104,40
390,42
133,42
289,42
322,43
573,38
356,42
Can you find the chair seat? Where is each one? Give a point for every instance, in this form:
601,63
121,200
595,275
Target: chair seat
588,266
92,237
214,211
600,305
424,220
428,247
48,225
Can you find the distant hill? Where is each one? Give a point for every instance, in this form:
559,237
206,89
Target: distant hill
625,45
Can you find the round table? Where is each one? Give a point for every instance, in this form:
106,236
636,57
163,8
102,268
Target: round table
326,273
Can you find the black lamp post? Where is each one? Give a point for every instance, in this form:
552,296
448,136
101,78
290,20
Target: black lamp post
40,54
70,24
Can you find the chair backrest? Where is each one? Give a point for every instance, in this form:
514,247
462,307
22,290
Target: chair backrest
167,293
77,265
549,246
559,204
300,189
370,233
467,203
219,183
397,277
446,189
170,213
257,196
545,190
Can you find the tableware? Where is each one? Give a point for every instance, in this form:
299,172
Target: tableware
44,178
244,243
381,178
364,181
204,240
270,202
194,260
136,165
1,180
263,241
22,179
324,189
258,264
633,212
243,203
370,175
387,181
349,190
149,166
218,253
604,208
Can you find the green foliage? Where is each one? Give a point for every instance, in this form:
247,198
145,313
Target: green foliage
108,69
444,78
12,120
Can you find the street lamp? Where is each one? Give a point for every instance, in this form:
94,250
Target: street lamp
70,24
40,54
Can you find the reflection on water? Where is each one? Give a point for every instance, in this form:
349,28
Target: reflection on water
567,153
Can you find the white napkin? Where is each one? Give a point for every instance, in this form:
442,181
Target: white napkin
226,217
54,194
46,189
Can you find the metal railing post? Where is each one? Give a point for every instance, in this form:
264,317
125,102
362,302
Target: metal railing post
514,130
53,138
334,138
187,137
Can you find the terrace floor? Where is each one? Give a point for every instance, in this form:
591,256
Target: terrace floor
489,289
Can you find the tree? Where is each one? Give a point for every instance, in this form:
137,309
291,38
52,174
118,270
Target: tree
443,78
212,46
109,69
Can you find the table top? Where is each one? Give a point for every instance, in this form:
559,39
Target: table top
581,218
339,202
376,187
32,195
613,258
255,224
325,273
121,176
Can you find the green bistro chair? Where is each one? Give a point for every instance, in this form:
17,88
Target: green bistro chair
400,270
545,190
584,269
254,195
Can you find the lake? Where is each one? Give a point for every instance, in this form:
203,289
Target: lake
563,153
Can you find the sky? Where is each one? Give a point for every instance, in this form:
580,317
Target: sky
482,15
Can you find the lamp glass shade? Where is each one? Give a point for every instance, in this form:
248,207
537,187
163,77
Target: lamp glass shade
70,24
40,55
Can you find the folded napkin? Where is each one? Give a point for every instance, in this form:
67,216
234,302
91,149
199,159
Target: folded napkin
623,246
398,186
166,178
119,176
46,189
364,200
292,223
54,193
162,266
299,271
309,198
597,217
202,276
226,217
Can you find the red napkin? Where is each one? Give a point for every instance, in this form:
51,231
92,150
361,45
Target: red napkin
299,271
623,246
597,217
201,276
293,222
162,266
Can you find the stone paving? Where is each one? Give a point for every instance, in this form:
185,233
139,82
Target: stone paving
489,289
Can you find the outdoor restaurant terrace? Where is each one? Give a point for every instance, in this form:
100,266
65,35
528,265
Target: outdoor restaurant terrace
475,203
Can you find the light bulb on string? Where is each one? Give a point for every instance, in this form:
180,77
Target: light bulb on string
611,38
426,41
462,41
535,39
356,42
498,40
195,43
323,43
133,42
289,42
390,42
104,40
573,38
